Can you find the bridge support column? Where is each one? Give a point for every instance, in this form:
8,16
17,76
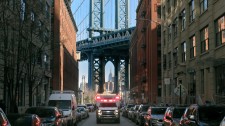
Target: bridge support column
101,74
116,83
127,83
90,71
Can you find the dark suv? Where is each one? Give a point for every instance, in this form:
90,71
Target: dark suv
203,115
172,115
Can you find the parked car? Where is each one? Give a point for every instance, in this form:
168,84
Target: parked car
3,119
17,119
90,107
126,108
172,115
48,115
155,116
142,112
134,117
85,107
223,122
203,115
78,114
130,113
84,113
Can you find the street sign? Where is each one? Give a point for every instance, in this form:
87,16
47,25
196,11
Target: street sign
180,89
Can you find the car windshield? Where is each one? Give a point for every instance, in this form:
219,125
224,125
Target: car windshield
211,113
129,106
89,104
178,112
82,106
158,111
42,112
107,105
145,108
61,104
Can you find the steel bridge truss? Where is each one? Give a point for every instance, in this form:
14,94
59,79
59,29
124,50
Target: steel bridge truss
96,21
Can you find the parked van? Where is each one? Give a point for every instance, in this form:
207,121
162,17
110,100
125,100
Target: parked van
66,101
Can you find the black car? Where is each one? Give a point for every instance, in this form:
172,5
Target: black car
172,115
142,112
24,119
155,115
203,115
49,115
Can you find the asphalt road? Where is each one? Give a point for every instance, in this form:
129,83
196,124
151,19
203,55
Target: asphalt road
91,121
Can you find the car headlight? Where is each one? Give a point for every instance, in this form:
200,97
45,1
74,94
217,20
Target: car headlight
99,112
116,112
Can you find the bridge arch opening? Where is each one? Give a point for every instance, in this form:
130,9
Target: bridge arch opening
109,77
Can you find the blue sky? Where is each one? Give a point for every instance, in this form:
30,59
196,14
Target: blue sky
80,10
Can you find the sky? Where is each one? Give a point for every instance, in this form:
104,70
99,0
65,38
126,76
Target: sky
80,10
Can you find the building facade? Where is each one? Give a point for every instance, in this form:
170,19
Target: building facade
145,54
25,54
65,64
193,60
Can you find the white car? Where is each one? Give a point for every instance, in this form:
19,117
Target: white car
223,122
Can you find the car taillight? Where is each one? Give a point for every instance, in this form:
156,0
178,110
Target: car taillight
36,122
4,123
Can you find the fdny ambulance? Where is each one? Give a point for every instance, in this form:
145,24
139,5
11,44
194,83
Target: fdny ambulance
107,107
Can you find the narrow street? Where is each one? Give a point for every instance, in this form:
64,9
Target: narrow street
91,121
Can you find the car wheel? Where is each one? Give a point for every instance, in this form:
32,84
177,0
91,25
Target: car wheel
98,121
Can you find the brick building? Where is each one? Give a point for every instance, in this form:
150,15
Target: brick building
65,65
193,37
145,54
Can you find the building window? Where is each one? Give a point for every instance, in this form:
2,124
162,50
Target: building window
164,12
169,33
32,16
183,20
23,9
169,60
175,56
192,90
192,10
159,11
183,53
46,10
164,37
220,80
192,47
175,3
175,24
45,60
168,7
220,31
202,81
204,37
164,61
203,5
